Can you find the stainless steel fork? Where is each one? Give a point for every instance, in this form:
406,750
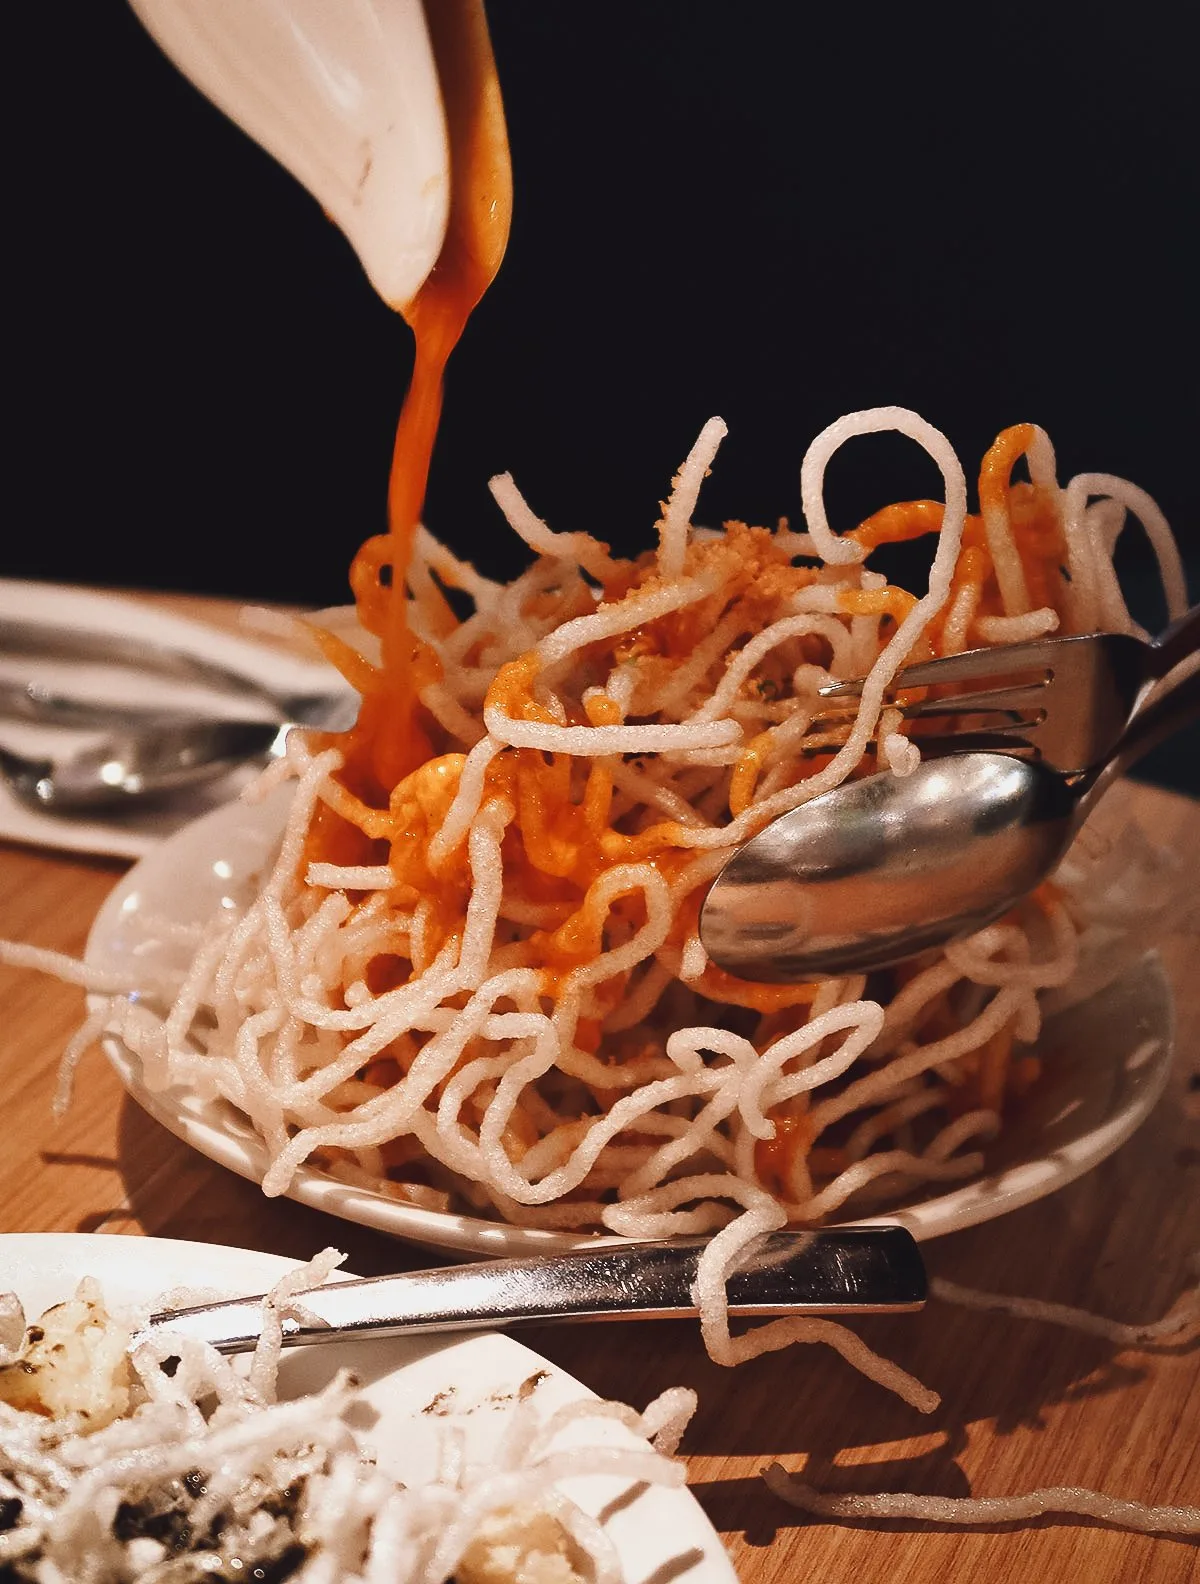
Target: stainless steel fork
1063,701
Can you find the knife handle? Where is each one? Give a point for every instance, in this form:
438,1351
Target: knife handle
845,1271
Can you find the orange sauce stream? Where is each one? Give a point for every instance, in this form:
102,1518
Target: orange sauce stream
390,739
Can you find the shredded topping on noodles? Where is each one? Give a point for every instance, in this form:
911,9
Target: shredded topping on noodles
483,987
208,1476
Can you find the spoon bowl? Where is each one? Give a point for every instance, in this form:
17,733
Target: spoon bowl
150,759
133,767
880,869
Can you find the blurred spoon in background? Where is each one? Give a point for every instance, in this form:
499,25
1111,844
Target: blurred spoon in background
152,761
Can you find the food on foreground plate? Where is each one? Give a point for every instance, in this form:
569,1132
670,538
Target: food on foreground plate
72,1363
118,1466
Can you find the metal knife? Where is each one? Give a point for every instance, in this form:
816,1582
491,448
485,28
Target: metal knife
848,1271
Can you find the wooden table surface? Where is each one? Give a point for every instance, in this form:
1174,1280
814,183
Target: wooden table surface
1023,1404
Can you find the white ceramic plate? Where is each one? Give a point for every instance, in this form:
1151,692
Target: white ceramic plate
660,1533
1106,1061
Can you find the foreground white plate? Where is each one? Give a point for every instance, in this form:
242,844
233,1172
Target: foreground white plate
1106,1062
659,1533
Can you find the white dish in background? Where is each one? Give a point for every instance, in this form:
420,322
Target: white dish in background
1107,1060
476,1379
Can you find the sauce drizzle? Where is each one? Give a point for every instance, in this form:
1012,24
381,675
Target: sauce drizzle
389,740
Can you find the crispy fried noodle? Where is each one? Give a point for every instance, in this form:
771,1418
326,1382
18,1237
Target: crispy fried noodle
473,976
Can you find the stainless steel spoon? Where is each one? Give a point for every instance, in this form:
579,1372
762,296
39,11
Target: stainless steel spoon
137,766
881,869
156,760
842,1271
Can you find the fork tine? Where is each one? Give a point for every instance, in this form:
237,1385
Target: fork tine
1028,695
973,665
1006,701
1009,703
1016,724
1004,737
1023,722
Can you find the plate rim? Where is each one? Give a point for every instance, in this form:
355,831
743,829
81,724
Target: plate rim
978,1200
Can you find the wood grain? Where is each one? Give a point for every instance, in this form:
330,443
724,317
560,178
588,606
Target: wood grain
1024,1405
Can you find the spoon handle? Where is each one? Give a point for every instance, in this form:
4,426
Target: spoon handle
1175,707
853,1270
1176,642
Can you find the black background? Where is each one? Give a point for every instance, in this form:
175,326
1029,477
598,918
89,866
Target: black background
773,211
